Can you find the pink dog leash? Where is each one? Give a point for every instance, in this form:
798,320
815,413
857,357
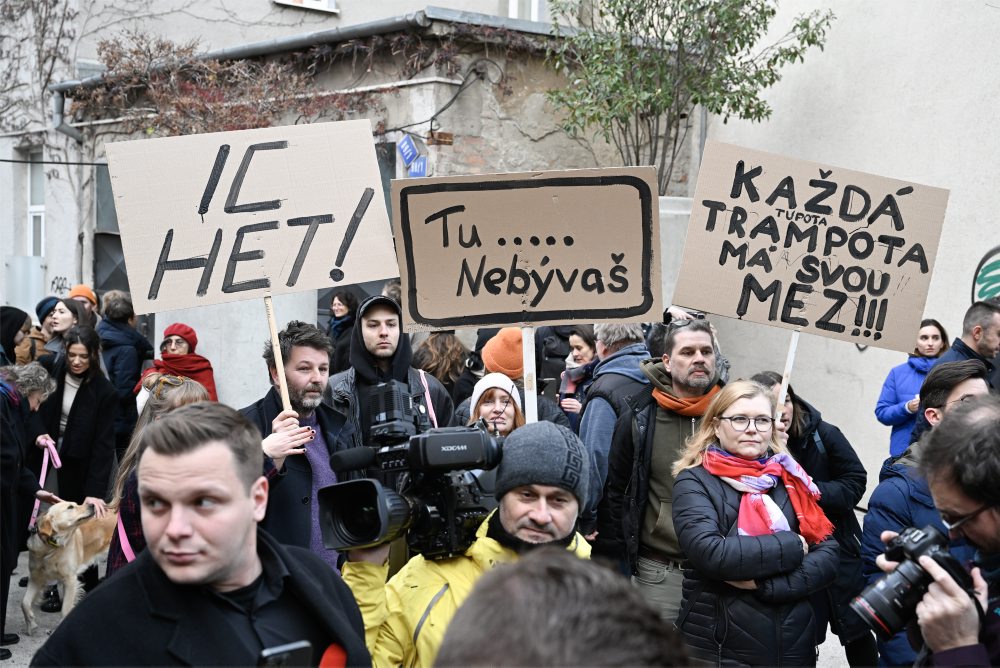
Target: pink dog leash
50,453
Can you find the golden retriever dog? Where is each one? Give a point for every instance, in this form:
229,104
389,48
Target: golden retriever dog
68,540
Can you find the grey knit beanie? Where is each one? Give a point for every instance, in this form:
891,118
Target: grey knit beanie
544,453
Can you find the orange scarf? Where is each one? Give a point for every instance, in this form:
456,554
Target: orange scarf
695,407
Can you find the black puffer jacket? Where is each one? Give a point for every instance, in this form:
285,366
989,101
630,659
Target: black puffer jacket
827,456
772,625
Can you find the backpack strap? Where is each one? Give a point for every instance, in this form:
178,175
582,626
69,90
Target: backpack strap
819,443
427,396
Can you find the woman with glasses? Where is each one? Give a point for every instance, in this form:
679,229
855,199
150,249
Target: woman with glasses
756,542
828,457
178,358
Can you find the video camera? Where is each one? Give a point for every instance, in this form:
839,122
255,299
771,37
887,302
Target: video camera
888,604
439,504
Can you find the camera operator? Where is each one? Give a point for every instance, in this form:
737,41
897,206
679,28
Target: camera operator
380,352
961,460
541,484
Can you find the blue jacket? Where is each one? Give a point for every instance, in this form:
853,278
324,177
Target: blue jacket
124,349
900,386
597,421
902,499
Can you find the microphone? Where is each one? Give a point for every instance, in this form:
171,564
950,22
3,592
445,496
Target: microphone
352,459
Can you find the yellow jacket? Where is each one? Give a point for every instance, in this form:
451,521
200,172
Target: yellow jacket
405,620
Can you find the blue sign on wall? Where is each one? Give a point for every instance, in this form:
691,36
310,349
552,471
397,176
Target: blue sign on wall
407,149
419,167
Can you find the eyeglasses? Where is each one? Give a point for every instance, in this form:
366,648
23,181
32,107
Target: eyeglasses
172,341
741,422
954,526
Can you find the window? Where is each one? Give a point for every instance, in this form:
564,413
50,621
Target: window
36,205
529,10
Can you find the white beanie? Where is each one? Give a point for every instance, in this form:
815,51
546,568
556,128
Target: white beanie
498,381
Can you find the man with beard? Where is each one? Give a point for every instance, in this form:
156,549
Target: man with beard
300,441
541,484
635,517
380,352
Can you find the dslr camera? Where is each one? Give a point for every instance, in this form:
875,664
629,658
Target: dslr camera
425,491
888,604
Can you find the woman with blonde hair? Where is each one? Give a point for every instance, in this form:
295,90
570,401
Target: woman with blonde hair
166,393
756,541
496,400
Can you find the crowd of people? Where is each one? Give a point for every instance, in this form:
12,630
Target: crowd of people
658,513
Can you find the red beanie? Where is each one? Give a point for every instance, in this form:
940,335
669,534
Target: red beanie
183,331
503,353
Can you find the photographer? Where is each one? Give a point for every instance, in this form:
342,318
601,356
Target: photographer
541,483
961,460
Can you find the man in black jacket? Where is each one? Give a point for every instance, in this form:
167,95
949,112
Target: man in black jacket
980,340
211,588
634,519
300,441
380,352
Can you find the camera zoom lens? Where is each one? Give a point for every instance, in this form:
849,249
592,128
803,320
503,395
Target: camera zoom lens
361,524
889,603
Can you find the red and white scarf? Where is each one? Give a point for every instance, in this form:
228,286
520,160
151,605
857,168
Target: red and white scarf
759,514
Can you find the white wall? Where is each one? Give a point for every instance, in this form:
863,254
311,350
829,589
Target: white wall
907,90
232,336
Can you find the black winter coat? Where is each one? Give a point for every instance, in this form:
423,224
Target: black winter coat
88,447
341,358
140,618
772,625
123,350
288,516
17,483
827,456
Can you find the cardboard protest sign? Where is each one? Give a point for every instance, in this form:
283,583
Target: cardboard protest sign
808,246
218,217
531,248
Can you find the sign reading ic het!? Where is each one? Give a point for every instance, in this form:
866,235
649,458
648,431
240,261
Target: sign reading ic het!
218,217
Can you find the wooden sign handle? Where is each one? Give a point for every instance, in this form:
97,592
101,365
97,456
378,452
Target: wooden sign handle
530,380
279,362
786,376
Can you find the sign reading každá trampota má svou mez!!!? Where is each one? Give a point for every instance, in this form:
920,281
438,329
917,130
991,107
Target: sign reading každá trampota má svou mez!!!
531,248
218,217
803,245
